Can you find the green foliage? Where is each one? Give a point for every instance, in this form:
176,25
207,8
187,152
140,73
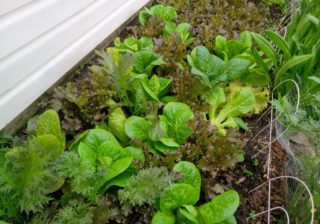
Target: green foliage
258,72
157,88
119,68
172,39
166,13
131,44
296,57
299,206
116,121
129,72
145,187
261,95
76,211
228,18
228,116
220,209
28,172
95,162
208,150
84,102
180,199
145,61
213,70
167,133
8,141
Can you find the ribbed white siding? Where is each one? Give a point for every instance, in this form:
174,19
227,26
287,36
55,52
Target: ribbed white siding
40,40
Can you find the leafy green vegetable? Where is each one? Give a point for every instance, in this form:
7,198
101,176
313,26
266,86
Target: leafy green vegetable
183,29
261,95
166,13
137,127
174,121
177,195
28,172
220,208
131,44
145,187
258,71
180,198
169,132
163,217
76,212
241,103
119,68
191,174
156,87
213,70
94,160
145,61
116,121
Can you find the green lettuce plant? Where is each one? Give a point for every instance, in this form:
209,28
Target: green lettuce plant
167,132
258,72
166,13
212,70
131,44
28,172
177,202
96,161
183,29
127,70
225,113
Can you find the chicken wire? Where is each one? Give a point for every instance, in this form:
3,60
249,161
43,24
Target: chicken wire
297,144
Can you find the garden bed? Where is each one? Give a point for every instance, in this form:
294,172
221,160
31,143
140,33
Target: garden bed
164,126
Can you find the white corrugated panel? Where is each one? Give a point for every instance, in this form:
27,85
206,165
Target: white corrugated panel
30,70
7,6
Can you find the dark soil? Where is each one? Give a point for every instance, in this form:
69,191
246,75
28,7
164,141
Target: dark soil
254,198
